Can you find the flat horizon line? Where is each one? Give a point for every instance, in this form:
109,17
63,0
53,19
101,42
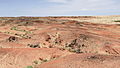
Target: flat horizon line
59,15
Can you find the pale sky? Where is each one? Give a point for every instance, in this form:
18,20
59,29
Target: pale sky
59,7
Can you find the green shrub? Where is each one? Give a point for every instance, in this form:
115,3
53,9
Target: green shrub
45,60
14,28
36,62
29,66
117,21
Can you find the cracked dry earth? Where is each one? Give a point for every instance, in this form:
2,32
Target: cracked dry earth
58,42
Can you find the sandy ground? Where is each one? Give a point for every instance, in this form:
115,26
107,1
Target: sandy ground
60,42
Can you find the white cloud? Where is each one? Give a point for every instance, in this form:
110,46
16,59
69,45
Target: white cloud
71,7
63,7
86,4
82,5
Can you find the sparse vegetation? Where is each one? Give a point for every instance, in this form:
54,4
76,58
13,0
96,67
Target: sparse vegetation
26,32
24,36
29,67
38,41
55,39
45,60
92,57
14,28
8,32
73,47
12,39
117,21
34,45
79,23
36,62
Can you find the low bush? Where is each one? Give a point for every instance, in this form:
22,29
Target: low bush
29,66
117,21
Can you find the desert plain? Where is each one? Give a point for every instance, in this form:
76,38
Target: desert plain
60,42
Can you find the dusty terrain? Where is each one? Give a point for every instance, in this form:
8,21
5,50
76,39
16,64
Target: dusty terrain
60,42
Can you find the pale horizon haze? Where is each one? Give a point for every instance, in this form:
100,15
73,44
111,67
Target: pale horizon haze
59,7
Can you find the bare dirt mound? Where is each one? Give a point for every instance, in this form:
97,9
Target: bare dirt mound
22,57
84,61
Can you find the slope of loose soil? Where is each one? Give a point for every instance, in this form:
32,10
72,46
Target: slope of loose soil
84,61
22,57
60,42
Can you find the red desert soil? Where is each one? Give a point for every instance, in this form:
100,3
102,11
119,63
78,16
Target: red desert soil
84,61
60,42
22,57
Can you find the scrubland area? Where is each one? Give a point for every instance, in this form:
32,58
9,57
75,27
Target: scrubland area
60,42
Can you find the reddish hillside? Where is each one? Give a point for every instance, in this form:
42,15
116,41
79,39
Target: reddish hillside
60,42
